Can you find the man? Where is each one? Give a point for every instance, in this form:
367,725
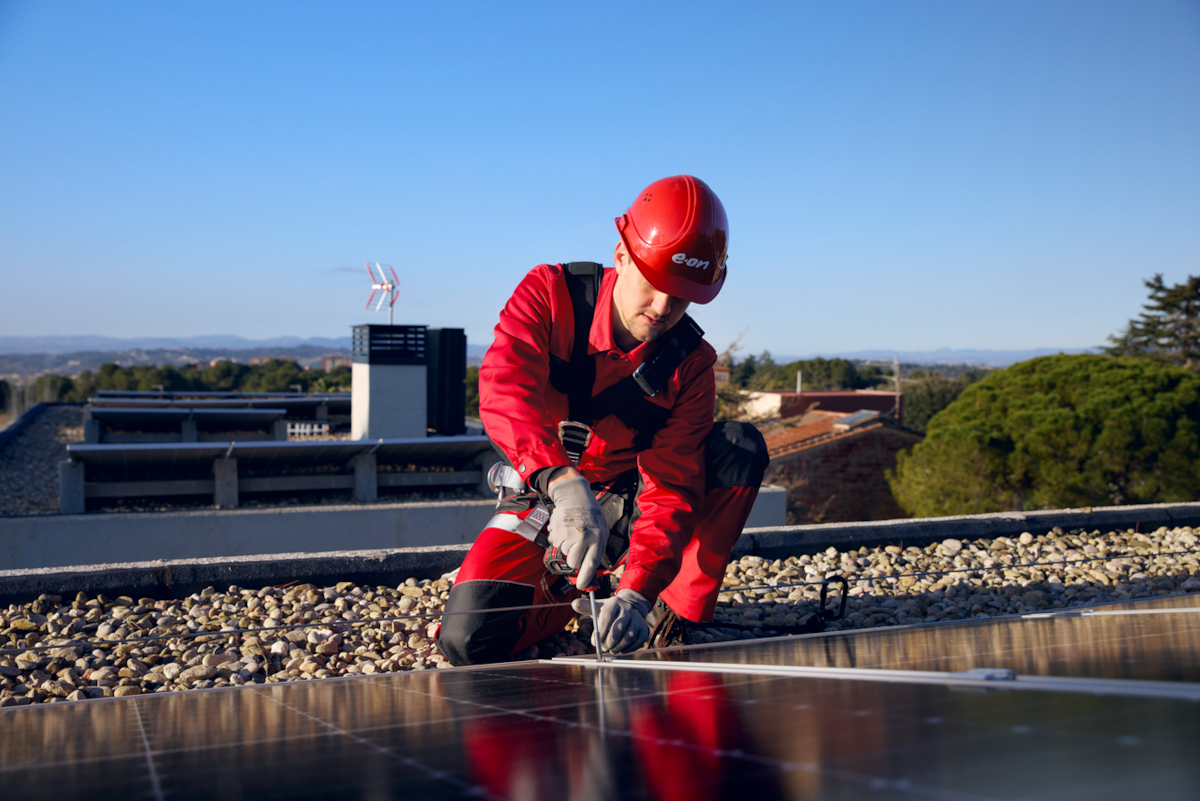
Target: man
628,461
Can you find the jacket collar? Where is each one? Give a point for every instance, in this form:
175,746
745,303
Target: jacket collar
600,338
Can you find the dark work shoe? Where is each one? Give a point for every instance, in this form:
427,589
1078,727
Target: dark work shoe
667,629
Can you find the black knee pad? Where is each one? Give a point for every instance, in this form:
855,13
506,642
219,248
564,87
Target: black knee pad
735,455
477,638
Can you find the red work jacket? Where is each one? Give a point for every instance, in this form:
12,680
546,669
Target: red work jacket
521,411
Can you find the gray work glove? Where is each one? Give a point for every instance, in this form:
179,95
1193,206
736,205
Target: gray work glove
621,620
577,527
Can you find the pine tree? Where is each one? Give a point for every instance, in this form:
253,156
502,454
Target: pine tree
1168,329
1057,432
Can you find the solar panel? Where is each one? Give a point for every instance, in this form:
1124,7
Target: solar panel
443,450
303,405
133,393
1117,641
125,415
626,729
565,731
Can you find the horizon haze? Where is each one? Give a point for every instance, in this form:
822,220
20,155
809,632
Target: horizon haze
67,345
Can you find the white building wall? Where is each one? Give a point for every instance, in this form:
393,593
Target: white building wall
763,405
388,401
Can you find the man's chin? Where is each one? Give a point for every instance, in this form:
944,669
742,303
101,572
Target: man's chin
649,334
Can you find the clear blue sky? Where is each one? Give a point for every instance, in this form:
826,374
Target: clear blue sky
907,175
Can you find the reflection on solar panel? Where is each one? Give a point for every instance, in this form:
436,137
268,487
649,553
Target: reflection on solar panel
1108,645
634,729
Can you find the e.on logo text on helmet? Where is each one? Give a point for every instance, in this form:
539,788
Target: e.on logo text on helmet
682,258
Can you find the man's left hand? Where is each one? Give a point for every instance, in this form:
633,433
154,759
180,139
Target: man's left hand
621,625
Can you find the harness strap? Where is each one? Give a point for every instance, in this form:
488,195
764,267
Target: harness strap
627,398
651,376
587,276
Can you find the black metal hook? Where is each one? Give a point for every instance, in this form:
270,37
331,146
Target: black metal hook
823,611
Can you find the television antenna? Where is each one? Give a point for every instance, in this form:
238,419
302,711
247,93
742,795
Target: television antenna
390,289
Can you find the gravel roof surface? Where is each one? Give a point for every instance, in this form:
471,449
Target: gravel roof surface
29,463
201,641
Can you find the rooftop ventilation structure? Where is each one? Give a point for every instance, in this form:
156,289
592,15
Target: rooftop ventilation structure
446,373
388,382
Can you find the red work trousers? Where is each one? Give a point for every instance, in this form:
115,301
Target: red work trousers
502,556
504,570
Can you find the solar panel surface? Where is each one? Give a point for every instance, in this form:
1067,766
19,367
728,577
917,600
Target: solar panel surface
554,731
229,416
296,405
1117,641
441,450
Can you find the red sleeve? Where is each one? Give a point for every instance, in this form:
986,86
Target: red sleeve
516,370
672,470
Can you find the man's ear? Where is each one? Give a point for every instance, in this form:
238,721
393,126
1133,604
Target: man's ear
620,257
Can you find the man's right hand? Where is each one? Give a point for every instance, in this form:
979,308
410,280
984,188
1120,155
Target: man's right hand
577,526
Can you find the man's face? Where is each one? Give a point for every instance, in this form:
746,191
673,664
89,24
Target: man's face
641,313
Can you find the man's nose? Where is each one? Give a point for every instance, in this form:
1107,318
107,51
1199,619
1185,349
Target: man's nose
661,304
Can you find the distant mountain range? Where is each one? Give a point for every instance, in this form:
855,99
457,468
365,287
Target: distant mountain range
81,344
32,356
981,358
29,355
60,345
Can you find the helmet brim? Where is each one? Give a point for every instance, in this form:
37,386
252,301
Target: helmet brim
678,287
673,285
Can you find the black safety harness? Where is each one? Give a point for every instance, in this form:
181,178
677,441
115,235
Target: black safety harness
629,398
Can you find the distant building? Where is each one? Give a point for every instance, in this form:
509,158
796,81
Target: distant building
721,373
833,464
330,362
781,405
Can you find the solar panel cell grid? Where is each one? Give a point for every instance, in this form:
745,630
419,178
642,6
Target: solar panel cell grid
547,730
550,731
1151,647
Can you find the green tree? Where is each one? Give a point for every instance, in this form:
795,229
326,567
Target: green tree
926,394
1055,432
49,388
472,382
112,376
275,375
821,374
1168,329
339,379
223,376
742,373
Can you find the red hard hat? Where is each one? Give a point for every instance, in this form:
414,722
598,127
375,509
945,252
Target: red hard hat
677,235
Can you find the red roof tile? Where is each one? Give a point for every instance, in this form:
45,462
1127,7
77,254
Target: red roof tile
822,425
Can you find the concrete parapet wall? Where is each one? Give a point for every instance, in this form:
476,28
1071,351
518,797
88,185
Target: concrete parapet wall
178,577
171,577
56,540
776,543
10,432
770,507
